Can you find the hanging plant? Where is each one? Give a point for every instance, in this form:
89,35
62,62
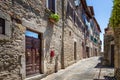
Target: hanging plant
54,18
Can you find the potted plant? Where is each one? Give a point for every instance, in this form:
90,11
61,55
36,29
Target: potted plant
54,18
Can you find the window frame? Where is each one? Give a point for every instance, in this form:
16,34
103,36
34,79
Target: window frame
8,26
2,25
70,12
55,4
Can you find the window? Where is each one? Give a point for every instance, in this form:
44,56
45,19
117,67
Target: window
77,3
78,22
31,34
83,16
71,13
2,26
68,10
74,17
69,33
51,5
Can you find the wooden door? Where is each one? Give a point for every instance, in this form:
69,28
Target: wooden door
112,55
87,51
75,49
32,55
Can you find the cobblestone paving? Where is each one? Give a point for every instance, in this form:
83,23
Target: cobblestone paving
86,69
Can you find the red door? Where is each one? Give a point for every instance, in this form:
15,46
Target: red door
32,55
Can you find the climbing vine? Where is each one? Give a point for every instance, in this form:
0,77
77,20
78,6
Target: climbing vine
115,16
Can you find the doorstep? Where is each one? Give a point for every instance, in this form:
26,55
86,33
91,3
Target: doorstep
36,77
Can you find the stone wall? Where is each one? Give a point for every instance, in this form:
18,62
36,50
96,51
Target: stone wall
11,52
117,52
72,35
21,16
107,49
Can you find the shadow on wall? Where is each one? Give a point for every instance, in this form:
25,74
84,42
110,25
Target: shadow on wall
98,79
99,65
107,78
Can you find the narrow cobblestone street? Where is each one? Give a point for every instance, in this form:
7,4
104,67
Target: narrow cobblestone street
59,40
86,69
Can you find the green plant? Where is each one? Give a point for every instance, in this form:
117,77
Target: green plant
55,17
115,16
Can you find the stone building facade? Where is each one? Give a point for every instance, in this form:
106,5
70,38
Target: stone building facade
96,40
94,35
111,49
22,54
73,34
80,25
108,47
31,45
117,52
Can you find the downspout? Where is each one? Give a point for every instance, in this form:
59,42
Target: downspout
62,47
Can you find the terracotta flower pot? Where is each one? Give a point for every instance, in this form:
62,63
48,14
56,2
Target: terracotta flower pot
52,20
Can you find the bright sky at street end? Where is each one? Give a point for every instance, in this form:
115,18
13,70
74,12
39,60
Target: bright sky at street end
102,10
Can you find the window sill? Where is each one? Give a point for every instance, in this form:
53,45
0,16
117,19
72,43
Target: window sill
49,11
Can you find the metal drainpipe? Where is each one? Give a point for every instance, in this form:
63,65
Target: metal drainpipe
62,48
